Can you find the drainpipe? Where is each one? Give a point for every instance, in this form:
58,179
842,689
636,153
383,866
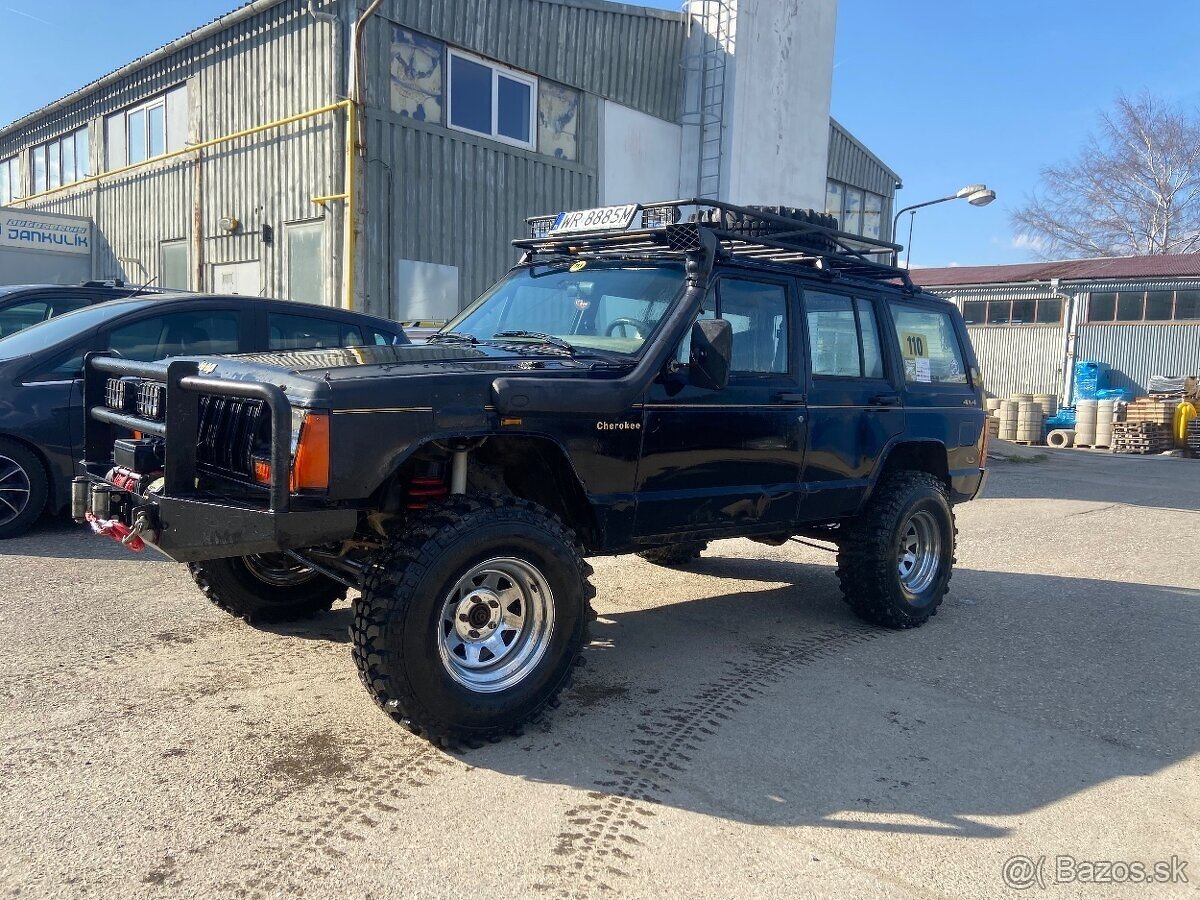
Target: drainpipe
355,144
1071,308
337,88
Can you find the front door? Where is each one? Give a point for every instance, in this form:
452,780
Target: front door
729,460
854,399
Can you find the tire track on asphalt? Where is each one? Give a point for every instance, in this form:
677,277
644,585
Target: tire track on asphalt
353,809
603,833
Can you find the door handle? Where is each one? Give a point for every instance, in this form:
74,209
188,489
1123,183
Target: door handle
885,400
789,397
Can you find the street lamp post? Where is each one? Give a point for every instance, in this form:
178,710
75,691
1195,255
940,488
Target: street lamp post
975,194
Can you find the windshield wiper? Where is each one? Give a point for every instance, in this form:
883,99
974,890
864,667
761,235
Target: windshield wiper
451,336
541,336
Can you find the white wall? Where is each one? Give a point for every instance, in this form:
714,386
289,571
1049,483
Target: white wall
778,126
639,156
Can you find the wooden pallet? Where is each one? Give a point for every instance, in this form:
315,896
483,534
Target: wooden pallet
1029,443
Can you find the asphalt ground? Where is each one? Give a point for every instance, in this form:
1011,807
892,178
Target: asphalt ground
734,733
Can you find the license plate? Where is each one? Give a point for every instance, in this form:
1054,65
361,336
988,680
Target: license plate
603,218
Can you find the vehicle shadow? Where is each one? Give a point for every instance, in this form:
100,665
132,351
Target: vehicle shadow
58,537
778,707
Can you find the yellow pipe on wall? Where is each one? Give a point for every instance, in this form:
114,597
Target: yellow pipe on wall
349,243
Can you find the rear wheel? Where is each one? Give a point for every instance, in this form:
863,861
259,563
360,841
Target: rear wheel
895,560
471,620
672,555
23,488
267,587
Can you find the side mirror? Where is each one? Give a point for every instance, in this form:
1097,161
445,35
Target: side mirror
712,348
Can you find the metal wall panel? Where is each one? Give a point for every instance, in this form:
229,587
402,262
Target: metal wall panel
1135,352
624,53
273,64
1025,358
850,162
445,197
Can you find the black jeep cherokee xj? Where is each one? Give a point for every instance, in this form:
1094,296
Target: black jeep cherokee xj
712,372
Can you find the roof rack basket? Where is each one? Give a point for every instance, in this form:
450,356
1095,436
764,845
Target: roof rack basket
773,234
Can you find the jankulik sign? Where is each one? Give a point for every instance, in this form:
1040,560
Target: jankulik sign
26,230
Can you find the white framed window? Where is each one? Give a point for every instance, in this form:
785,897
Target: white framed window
62,161
10,180
490,99
147,130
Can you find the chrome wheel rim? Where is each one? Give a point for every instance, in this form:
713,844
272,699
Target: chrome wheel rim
920,552
496,625
14,489
278,569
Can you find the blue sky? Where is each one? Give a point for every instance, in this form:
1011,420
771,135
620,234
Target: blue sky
946,92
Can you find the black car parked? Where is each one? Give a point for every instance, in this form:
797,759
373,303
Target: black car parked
41,367
23,305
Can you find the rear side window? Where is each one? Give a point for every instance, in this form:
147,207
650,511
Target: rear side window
928,345
176,334
21,316
843,336
309,332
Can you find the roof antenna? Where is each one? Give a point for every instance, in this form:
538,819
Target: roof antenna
145,284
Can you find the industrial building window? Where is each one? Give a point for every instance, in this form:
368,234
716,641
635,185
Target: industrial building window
1144,306
147,130
61,161
10,180
492,100
304,246
173,265
1042,311
857,211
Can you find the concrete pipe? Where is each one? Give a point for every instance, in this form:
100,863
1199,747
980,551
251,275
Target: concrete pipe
1061,437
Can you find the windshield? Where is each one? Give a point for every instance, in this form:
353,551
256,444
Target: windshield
63,328
612,307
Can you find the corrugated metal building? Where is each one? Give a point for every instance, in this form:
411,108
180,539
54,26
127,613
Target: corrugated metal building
219,162
1030,322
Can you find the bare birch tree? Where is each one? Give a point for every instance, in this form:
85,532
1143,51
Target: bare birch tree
1133,190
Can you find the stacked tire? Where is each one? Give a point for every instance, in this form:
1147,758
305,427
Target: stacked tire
1105,415
1030,422
1085,423
1008,420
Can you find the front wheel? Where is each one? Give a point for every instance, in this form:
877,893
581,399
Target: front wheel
895,560
471,620
267,587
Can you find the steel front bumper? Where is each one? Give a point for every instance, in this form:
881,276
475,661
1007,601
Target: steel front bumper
192,529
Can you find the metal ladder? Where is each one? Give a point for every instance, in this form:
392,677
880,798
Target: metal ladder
709,43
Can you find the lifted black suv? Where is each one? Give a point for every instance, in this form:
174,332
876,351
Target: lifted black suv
744,373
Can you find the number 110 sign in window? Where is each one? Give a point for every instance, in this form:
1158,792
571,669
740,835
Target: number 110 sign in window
929,346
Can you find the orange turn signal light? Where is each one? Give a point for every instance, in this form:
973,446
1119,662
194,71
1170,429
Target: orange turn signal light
310,469
262,471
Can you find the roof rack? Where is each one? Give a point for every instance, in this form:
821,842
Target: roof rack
776,234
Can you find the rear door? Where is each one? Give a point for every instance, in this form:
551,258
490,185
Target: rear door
854,398
940,393
729,460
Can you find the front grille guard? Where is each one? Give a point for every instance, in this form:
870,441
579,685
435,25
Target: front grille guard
181,416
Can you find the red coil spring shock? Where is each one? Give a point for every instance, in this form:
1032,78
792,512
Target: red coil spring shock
426,489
